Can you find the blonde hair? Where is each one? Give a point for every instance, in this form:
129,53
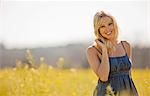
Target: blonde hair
97,24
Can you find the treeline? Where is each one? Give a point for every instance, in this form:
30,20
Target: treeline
73,55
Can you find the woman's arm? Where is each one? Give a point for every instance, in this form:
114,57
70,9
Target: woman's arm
99,63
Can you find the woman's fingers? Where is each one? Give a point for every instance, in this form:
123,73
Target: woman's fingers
100,44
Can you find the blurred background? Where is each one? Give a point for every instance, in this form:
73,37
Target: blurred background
62,30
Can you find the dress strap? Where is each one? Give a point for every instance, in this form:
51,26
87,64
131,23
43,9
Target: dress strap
123,46
97,49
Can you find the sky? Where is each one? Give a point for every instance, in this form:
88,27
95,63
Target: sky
52,23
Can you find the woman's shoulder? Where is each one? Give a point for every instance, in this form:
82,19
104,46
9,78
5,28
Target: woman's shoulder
128,48
91,48
126,43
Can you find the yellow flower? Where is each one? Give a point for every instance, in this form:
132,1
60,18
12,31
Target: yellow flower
109,91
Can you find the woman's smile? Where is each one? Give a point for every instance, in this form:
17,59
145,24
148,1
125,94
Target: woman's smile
108,33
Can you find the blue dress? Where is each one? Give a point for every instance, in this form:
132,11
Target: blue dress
119,81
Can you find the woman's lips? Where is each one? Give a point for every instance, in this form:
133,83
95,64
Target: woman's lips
108,33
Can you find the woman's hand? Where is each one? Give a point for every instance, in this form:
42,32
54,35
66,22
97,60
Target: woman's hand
100,44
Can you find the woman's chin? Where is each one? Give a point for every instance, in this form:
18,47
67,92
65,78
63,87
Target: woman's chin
109,38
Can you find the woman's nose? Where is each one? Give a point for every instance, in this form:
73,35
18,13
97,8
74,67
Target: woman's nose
108,28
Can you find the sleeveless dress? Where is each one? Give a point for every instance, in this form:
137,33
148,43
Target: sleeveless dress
119,82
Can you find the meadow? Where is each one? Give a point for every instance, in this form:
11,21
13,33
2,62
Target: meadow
49,81
45,80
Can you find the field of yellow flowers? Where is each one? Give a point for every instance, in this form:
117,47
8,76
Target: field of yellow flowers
30,80
49,81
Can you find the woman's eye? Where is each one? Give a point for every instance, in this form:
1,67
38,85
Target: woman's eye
102,26
110,24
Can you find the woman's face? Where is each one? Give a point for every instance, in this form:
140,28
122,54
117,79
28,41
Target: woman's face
106,28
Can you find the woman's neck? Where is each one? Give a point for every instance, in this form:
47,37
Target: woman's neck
114,42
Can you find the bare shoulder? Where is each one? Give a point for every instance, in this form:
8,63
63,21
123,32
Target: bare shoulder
90,49
126,44
128,48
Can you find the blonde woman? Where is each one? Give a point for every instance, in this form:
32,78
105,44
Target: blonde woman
110,59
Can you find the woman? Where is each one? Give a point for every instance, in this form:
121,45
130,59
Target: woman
110,59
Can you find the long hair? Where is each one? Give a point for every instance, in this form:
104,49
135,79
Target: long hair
97,24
